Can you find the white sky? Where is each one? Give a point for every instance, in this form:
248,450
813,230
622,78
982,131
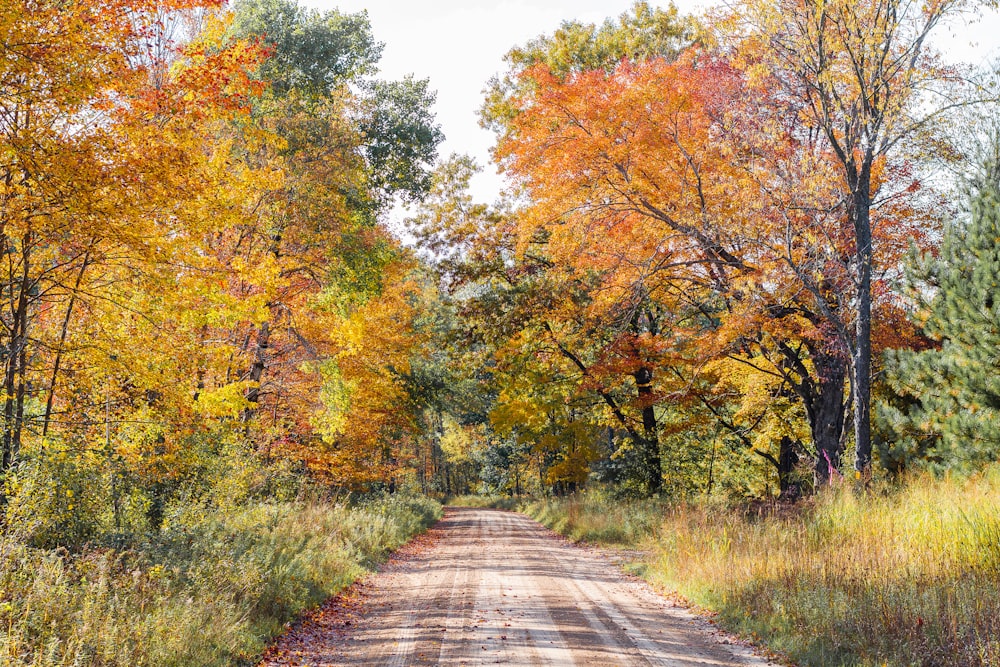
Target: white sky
459,45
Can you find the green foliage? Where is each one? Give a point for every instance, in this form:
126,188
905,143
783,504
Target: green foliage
69,495
504,467
61,496
466,242
312,51
209,590
947,414
643,33
401,137
322,62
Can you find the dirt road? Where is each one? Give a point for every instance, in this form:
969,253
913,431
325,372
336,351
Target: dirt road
492,587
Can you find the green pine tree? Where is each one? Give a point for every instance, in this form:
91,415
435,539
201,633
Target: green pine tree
947,411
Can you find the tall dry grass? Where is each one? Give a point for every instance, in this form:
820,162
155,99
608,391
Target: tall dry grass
909,577
210,590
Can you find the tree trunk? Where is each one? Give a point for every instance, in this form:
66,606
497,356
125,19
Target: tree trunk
784,465
863,345
64,331
13,411
788,458
257,370
826,414
650,438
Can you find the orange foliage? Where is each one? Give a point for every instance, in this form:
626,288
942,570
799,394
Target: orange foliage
686,185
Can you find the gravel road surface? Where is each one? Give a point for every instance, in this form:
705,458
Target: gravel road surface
491,587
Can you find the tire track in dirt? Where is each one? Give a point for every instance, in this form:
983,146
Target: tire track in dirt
492,587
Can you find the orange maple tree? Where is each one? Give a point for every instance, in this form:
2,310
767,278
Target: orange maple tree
702,218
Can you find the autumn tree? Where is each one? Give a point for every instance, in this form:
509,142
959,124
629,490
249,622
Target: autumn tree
608,349
92,170
521,324
42,148
687,186
187,248
343,147
867,80
640,34
528,323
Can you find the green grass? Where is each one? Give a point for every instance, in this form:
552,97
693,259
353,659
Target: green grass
910,577
603,521
210,590
495,502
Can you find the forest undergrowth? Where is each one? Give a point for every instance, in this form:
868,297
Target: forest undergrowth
906,577
209,589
